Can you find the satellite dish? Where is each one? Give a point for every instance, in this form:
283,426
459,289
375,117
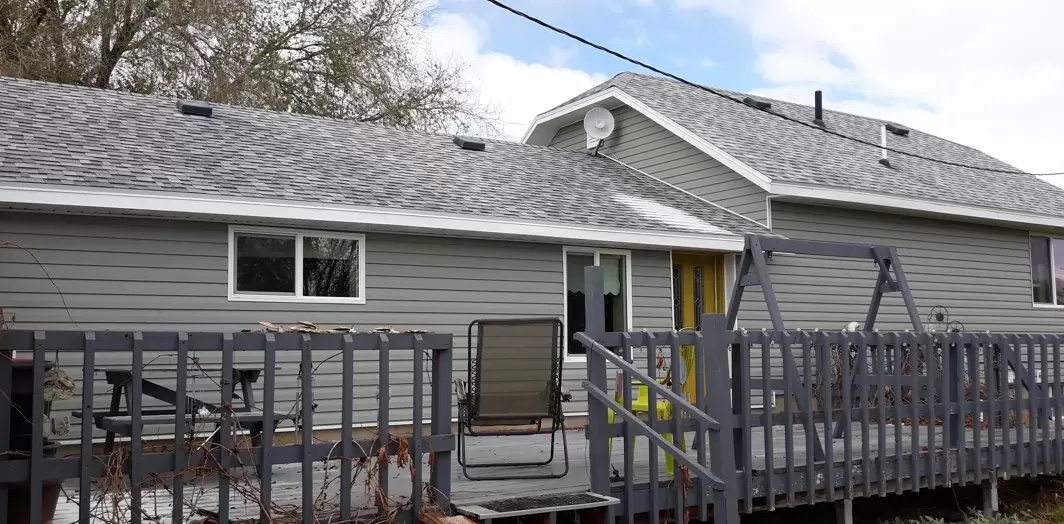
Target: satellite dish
598,123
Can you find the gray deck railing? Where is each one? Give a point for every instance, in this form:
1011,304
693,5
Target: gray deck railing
889,413
842,414
189,458
894,412
711,434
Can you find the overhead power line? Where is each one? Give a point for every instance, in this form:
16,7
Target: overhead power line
684,81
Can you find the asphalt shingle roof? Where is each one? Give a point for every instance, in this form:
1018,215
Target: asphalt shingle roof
791,153
77,136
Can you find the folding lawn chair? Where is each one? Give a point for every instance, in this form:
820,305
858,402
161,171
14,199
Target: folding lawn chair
515,380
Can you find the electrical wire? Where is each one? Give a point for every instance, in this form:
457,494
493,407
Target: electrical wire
686,82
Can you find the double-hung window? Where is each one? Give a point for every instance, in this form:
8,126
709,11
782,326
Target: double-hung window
282,265
617,268
1047,270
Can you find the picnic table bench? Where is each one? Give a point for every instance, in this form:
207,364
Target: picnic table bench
116,421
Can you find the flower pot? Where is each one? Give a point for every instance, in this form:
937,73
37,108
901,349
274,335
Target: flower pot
18,498
22,396
20,432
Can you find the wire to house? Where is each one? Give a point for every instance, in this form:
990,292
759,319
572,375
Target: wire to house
684,81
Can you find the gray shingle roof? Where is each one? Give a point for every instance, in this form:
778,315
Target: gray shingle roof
792,153
75,136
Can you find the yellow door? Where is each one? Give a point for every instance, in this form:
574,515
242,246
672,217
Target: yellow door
698,287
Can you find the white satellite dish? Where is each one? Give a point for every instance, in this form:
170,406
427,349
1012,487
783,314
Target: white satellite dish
598,124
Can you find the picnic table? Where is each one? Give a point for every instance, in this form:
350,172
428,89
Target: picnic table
116,421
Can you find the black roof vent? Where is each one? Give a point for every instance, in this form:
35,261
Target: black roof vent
192,107
818,108
897,130
760,104
469,143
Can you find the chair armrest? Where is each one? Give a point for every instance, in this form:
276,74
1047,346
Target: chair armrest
461,392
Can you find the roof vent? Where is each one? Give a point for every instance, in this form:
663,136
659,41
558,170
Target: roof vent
469,143
760,104
818,108
897,130
883,141
192,107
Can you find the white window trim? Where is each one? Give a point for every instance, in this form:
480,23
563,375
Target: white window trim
1052,271
597,252
297,298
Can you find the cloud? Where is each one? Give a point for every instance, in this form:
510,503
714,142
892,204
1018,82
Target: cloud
560,56
519,90
977,72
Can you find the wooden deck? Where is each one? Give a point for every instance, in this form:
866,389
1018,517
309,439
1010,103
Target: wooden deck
287,485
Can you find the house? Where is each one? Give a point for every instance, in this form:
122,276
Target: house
147,214
141,213
979,240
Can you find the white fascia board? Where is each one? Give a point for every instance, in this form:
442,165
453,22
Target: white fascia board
549,123
189,205
881,200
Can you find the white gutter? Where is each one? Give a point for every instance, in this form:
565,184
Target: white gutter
88,200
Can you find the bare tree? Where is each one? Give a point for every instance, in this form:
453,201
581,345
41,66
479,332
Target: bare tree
352,59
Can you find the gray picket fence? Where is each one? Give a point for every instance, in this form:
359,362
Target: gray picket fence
190,455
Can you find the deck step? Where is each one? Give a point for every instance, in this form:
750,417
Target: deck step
535,505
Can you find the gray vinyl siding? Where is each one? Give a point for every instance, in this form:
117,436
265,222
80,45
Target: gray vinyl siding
144,274
979,273
645,145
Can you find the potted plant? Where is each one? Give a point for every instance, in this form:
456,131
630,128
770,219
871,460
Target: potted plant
58,386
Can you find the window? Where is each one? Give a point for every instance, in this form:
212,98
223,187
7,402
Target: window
1047,270
616,266
276,265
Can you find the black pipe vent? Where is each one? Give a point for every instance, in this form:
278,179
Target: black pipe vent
760,104
897,130
818,108
471,144
194,107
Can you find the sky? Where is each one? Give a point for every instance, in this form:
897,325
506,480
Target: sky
981,73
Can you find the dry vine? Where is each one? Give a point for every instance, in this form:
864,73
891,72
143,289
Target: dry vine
925,365
112,500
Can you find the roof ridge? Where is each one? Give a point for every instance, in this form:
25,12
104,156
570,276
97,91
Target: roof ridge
223,105
293,114
828,110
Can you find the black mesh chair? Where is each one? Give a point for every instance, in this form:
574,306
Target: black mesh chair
515,380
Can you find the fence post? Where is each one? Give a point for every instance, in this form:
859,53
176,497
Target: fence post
595,327
440,424
717,339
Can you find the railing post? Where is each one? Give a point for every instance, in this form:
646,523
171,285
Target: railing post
440,424
7,388
717,339
954,380
595,327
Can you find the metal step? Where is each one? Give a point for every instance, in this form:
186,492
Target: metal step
535,505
